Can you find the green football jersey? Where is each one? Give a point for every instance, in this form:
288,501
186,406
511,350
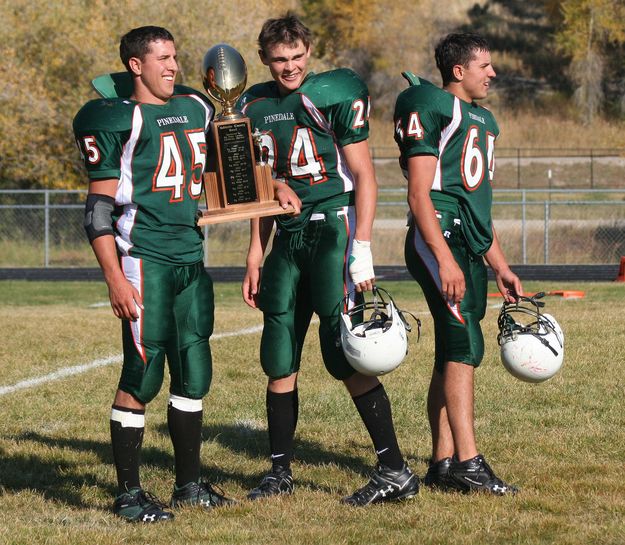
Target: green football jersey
432,121
303,133
158,154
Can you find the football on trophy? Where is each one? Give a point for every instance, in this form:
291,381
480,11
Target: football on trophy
224,75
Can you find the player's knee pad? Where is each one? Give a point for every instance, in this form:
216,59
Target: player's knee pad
148,390
191,376
142,378
279,350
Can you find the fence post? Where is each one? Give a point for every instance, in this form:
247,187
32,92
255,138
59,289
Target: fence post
524,226
518,168
592,176
546,237
46,235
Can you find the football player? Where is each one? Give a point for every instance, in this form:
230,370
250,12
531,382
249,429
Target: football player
446,142
145,156
314,130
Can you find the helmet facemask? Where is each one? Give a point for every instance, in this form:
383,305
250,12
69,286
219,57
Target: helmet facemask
373,333
532,344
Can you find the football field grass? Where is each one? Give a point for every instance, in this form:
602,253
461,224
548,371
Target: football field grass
562,442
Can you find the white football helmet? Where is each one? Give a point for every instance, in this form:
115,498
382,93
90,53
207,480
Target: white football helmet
377,343
533,350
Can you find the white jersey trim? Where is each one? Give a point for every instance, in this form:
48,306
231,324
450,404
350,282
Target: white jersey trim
125,185
431,264
210,111
350,225
446,134
133,271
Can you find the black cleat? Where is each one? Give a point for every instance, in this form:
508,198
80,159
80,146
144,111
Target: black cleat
476,475
385,485
278,481
437,475
199,493
137,505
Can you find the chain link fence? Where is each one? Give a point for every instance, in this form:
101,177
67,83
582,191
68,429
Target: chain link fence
41,228
530,168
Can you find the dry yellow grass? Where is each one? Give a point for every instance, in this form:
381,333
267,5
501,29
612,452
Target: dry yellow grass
562,441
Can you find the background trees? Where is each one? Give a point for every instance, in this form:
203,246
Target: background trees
567,53
592,33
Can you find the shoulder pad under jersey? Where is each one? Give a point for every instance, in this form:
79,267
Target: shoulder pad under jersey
422,91
334,87
108,114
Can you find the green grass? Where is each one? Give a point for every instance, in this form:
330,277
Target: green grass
562,442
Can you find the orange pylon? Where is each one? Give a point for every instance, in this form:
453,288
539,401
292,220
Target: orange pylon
621,271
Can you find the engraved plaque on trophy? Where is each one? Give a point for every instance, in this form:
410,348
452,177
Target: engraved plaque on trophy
238,169
235,185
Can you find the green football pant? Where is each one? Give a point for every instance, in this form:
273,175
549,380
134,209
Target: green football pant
306,272
457,332
176,322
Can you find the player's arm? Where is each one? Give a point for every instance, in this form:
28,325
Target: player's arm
359,162
508,283
98,223
421,172
260,231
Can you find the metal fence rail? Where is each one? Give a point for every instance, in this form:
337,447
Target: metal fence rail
573,168
43,228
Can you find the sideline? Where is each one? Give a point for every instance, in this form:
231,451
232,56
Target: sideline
78,369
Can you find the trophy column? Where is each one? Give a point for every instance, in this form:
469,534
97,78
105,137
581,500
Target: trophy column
235,185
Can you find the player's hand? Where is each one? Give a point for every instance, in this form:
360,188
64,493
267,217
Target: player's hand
251,286
126,301
509,285
286,196
361,265
453,285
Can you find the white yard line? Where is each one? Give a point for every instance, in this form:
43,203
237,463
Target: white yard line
83,368
78,369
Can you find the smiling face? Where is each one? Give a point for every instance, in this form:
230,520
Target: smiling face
287,64
473,80
155,74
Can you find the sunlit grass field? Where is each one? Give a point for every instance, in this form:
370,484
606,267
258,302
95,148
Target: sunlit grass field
562,442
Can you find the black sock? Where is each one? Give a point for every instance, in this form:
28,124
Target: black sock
282,413
127,426
185,430
375,410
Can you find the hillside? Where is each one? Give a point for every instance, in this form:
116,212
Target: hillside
55,49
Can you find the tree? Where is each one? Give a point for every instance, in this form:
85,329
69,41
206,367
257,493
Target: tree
56,48
378,40
588,29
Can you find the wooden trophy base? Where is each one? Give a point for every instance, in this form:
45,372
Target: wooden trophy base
219,211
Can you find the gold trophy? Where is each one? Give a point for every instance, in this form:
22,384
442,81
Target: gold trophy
236,185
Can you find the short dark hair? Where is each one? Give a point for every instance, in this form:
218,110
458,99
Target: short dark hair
136,43
283,30
456,49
